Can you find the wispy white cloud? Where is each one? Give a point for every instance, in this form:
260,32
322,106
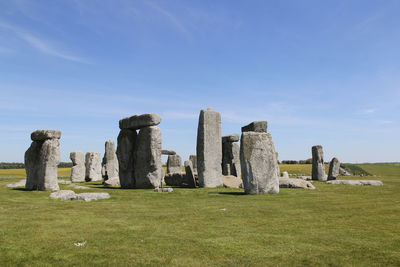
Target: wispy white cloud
368,111
40,44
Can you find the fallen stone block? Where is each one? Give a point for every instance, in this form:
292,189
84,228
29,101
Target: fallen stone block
20,183
63,195
92,196
230,181
163,190
356,182
295,183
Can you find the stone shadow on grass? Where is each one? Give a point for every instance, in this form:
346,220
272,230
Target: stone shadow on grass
231,193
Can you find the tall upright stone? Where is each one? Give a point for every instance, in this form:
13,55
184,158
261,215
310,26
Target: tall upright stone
174,164
190,179
110,165
193,159
334,167
209,149
93,166
147,154
231,155
259,163
42,159
125,152
318,167
78,166
278,170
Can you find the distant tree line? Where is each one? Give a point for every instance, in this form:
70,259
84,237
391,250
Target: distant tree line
18,165
307,161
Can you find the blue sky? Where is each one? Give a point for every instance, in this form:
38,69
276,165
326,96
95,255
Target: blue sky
320,72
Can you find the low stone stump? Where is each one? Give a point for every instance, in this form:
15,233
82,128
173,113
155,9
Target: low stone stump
71,195
295,183
230,181
356,182
163,189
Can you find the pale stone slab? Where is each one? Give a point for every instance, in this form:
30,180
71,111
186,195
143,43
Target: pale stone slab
258,163
230,181
295,183
78,170
93,166
110,165
318,167
92,196
20,183
209,149
285,175
163,190
139,121
63,195
356,182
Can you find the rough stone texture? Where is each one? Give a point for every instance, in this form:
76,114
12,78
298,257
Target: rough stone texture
318,167
147,154
64,182
231,156
193,159
230,181
176,179
209,149
20,183
256,126
190,179
295,183
333,169
174,164
139,121
304,177
92,196
163,190
78,166
230,138
63,195
258,163
168,152
75,186
278,170
285,175
125,152
41,135
342,171
356,182
110,165
93,166
41,160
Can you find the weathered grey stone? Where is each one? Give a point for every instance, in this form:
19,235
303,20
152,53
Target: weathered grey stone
295,183
285,175
356,182
41,135
342,171
176,179
174,164
258,163
163,190
147,163
318,167
231,159
20,183
168,152
64,182
209,149
75,186
230,181
230,138
41,160
125,152
190,179
92,196
193,159
304,177
93,166
256,126
110,165
78,166
139,121
333,169
63,195
278,170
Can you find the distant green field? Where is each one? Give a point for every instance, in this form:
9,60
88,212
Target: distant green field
335,225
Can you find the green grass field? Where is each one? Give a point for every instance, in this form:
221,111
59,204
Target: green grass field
334,225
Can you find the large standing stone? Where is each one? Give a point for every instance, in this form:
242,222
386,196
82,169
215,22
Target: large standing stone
78,166
41,160
231,155
93,166
125,152
258,162
318,167
110,165
193,159
209,149
174,164
334,167
147,158
256,126
191,181
139,121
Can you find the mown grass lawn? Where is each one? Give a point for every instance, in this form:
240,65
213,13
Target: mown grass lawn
334,225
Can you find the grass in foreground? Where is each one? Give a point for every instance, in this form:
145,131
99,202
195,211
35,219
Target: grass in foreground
333,225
